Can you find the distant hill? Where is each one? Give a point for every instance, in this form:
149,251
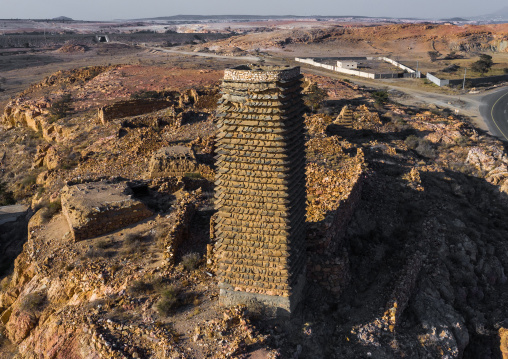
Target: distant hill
62,18
498,16
244,17
454,19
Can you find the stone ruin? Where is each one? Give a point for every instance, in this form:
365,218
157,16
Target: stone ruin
173,161
180,162
260,188
129,108
345,117
92,209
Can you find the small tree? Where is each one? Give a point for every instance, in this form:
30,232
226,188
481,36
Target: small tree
314,97
486,59
483,65
381,97
2,81
433,55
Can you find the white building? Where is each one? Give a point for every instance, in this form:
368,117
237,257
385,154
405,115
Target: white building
347,64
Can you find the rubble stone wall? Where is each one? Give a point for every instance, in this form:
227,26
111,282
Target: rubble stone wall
105,222
181,218
131,108
260,187
328,262
335,234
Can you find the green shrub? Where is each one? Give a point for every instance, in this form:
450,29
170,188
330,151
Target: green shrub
381,97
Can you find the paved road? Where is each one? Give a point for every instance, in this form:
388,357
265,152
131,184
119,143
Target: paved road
466,104
494,110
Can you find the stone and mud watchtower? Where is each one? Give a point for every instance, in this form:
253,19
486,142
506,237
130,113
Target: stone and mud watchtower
260,188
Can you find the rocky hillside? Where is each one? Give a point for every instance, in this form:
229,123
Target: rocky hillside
397,38
407,253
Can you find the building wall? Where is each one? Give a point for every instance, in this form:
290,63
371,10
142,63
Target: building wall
436,80
368,75
337,69
347,64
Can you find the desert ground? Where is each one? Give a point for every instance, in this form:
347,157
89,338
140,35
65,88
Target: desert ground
407,181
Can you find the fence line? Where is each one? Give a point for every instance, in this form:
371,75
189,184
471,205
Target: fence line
360,73
475,81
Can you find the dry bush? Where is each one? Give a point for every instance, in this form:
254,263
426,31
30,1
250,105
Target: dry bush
412,142
33,302
140,287
97,252
425,149
4,284
208,101
190,261
102,244
169,301
6,196
49,209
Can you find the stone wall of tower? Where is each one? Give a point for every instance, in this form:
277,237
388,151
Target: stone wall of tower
260,187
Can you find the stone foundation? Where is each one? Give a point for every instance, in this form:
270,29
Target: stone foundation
93,209
272,306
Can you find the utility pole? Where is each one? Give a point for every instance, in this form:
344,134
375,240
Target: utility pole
464,82
417,74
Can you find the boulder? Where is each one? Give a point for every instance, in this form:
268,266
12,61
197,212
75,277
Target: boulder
20,325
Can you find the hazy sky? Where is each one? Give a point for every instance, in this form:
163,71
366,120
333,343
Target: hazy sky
129,9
